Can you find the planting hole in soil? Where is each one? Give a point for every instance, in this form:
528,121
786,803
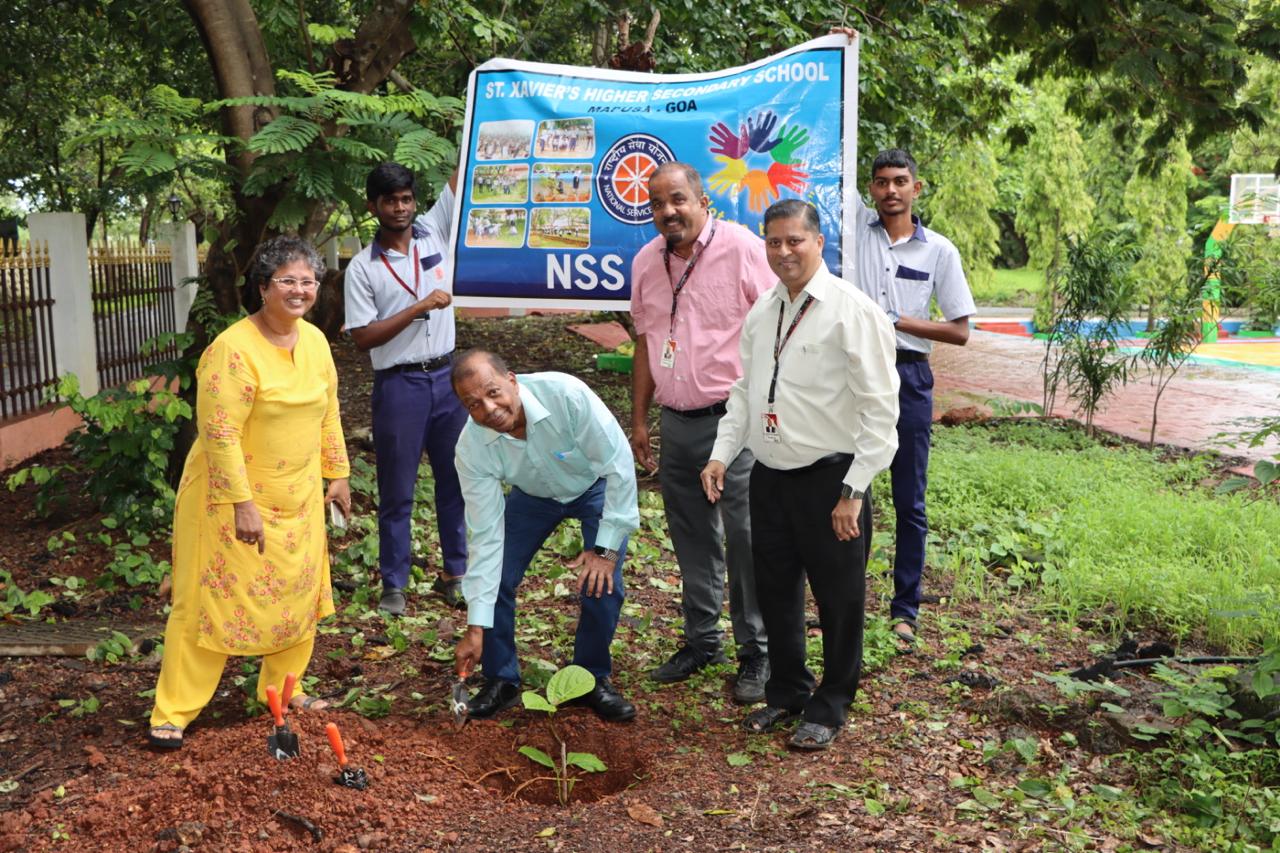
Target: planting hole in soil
489,753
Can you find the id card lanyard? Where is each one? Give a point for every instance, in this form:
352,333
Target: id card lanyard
417,271
669,346
771,426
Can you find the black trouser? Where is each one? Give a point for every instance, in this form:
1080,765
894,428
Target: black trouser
792,539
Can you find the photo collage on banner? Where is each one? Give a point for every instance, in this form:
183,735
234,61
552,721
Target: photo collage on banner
554,199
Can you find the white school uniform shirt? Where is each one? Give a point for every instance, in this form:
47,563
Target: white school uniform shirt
372,292
903,276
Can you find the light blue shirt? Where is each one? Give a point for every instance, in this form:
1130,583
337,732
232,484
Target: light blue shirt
904,277
372,293
571,440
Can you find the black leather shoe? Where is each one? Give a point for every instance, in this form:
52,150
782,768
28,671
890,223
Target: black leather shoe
392,602
753,675
450,590
494,696
608,703
685,662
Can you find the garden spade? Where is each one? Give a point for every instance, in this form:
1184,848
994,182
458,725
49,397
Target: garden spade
459,701
281,743
348,776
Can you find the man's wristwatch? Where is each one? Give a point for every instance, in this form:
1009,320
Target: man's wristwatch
847,491
893,316
608,553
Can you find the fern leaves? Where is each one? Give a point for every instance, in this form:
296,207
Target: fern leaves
145,160
422,149
284,134
316,146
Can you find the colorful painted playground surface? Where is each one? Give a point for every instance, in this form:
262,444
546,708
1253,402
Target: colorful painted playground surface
1234,346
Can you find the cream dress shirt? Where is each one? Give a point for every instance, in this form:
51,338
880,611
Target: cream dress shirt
837,388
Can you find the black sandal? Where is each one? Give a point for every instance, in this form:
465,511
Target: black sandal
767,719
165,742
813,736
905,640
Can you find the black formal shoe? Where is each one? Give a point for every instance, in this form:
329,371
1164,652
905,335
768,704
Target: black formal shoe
450,590
753,675
608,703
685,662
494,696
392,602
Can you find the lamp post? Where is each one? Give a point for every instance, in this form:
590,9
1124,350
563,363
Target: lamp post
175,205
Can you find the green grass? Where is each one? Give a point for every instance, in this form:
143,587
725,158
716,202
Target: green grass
1011,287
1109,530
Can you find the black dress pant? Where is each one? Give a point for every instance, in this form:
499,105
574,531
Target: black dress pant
792,539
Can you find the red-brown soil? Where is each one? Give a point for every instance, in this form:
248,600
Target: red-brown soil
683,776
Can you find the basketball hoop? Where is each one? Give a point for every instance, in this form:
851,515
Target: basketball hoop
1254,200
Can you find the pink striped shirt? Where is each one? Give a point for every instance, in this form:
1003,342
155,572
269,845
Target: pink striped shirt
731,274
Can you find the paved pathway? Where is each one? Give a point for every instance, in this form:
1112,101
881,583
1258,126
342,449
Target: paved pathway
1201,401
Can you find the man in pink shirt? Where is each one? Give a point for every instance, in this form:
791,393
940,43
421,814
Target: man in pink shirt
691,288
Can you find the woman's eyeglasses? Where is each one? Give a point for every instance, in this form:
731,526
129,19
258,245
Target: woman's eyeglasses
290,283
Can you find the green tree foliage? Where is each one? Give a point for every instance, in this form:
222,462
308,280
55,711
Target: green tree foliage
1107,172
1252,254
1054,206
1182,62
1251,269
1157,204
960,208
1177,332
1094,288
1258,150
324,140
65,67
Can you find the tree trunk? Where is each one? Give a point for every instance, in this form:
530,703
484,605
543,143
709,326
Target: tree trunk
144,221
383,40
600,45
238,57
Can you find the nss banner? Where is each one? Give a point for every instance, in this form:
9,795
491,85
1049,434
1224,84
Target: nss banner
553,197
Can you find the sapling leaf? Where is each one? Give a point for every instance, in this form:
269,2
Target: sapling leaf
1037,788
585,761
1265,684
535,702
1108,792
534,754
986,798
569,683
1231,484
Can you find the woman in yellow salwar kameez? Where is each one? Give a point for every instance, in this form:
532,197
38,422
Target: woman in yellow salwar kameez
250,556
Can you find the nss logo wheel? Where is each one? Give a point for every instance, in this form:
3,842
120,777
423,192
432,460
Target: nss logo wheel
622,180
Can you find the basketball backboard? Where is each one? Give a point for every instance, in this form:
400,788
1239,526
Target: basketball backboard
1255,199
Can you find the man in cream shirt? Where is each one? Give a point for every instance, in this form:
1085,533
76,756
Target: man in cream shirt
817,406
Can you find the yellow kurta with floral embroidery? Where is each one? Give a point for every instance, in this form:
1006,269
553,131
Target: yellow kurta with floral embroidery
268,430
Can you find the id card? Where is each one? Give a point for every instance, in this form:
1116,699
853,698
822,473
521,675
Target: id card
772,430
669,352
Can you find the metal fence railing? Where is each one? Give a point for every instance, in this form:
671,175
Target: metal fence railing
27,364
132,303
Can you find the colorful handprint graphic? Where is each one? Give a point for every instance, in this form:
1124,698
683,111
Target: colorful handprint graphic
728,179
756,135
728,145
